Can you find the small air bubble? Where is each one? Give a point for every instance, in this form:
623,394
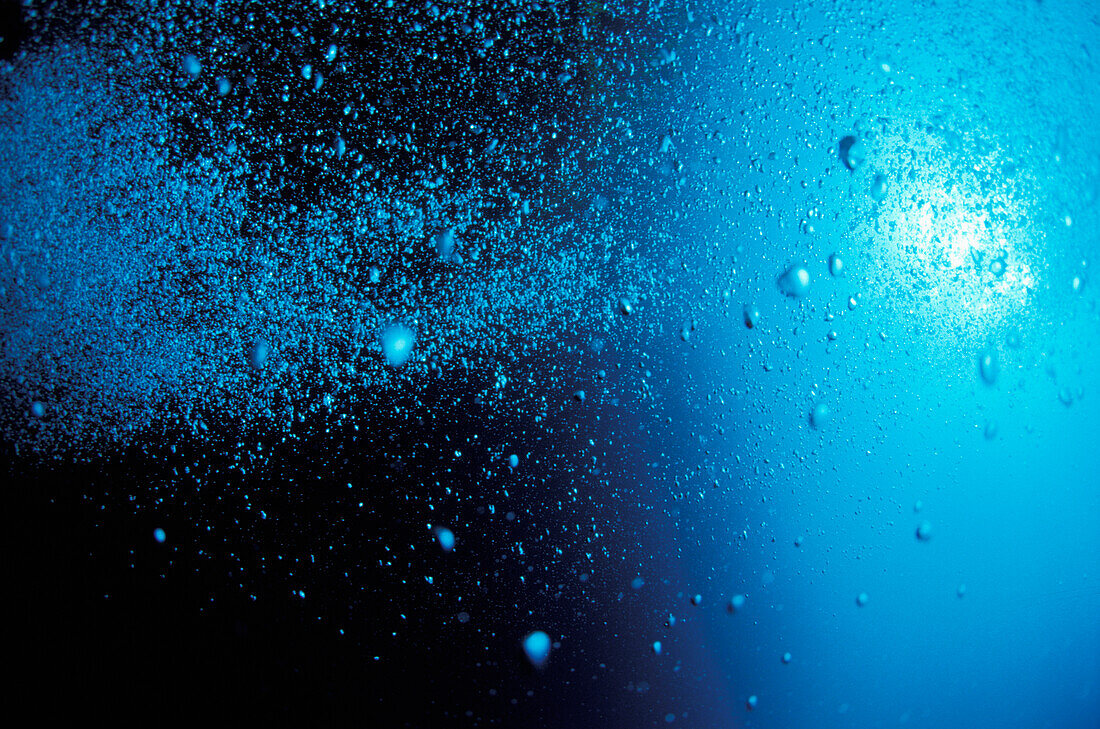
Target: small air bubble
751,316
852,152
836,265
988,366
879,188
795,281
397,344
192,65
446,538
537,648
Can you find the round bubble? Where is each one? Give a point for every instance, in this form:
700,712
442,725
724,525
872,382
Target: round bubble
795,281
536,646
397,344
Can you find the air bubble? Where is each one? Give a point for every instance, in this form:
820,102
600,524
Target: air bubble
537,648
751,316
259,353
852,152
446,538
820,415
1078,283
836,265
192,65
795,281
988,366
879,188
397,344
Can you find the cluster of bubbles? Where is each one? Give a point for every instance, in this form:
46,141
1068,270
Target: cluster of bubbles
207,221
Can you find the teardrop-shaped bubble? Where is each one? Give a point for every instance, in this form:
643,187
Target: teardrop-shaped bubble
446,538
852,152
751,316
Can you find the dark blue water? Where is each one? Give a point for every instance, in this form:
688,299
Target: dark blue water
553,364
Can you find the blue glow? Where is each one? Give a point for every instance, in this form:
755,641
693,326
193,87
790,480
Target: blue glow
397,344
537,648
446,538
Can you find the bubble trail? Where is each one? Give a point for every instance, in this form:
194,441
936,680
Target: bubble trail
157,278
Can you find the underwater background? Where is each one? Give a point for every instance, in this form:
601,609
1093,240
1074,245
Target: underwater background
553,364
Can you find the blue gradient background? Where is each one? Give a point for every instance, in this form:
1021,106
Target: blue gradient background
307,570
